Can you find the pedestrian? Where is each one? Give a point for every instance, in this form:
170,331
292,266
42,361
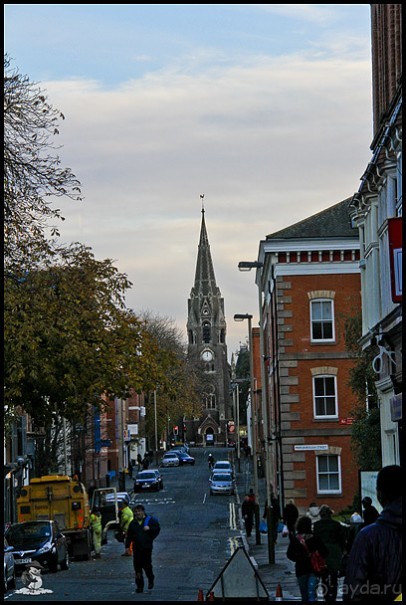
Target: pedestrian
299,549
275,515
333,535
374,568
313,512
139,461
369,514
248,511
145,462
290,515
141,533
126,516
96,525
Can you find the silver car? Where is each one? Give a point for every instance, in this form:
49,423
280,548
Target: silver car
170,459
222,483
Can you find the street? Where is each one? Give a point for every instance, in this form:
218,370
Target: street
198,534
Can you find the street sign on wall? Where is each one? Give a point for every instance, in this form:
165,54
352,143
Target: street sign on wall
304,448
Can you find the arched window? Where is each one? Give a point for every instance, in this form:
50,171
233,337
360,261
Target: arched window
206,336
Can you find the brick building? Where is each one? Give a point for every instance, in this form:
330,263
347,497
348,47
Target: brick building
310,285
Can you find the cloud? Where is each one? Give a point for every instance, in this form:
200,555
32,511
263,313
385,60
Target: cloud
269,143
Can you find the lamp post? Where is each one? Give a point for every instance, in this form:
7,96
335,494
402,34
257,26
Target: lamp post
241,317
247,266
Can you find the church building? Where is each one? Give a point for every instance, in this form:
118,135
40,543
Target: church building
207,349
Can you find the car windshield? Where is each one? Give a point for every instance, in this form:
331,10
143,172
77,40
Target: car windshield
222,465
23,535
146,475
170,456
225,477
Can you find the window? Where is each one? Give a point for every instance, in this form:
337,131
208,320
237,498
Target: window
209,398
322,323
324,396
328,474
206,332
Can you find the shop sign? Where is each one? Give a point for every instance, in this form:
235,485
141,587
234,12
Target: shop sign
395,257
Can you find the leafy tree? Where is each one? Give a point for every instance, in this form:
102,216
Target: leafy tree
365,435
176,385
69,339
33,174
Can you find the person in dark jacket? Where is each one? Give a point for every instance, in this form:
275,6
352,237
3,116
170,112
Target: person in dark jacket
369,514
141,533
290,515
374,568
248,511
299,552
334,535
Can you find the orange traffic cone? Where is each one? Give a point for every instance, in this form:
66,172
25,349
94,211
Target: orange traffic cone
211,596
200,596
278,593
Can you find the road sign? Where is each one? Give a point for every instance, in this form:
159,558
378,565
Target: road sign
304,448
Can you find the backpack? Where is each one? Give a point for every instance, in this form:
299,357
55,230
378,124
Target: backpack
148,519
317,561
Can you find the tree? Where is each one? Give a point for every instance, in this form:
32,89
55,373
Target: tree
176,386
69,339
365,432
33,174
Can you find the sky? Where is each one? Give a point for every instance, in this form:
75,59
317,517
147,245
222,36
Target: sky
264,109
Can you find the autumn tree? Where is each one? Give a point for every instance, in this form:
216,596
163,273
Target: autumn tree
69,339
176,391
33,174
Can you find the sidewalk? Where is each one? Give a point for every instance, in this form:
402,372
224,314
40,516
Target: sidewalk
282,571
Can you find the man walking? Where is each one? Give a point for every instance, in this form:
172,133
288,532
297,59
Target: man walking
141,532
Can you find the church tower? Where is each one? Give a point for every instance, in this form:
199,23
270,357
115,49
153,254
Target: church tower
207,349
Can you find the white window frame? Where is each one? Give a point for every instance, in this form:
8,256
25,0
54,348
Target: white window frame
324,416
312,321
337,472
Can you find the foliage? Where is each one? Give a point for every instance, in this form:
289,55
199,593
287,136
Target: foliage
32,169
365,434
69,338
176,387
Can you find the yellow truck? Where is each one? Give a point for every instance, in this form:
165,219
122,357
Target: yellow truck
64,500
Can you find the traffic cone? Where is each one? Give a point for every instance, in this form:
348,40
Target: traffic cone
200,596
211,596
278,593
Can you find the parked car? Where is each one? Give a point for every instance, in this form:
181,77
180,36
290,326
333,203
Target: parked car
40,541
184,458
110,498
223,465
151,479
222,483
170,459
9,567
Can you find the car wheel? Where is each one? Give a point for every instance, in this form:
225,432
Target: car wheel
65,562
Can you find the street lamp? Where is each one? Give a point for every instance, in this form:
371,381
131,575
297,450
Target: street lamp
241,317
247,266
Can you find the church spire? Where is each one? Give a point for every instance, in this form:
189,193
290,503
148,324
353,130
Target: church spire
205,280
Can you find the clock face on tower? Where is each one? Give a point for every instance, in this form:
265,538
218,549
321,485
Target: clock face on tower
207,355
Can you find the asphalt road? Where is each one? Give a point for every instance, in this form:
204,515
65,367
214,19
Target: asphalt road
198,535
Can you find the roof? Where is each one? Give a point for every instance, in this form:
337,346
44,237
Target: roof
332,222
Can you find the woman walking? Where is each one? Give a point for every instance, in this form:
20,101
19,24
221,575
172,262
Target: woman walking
300,547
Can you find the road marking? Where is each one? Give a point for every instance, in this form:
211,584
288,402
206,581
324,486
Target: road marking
204,498
232,516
